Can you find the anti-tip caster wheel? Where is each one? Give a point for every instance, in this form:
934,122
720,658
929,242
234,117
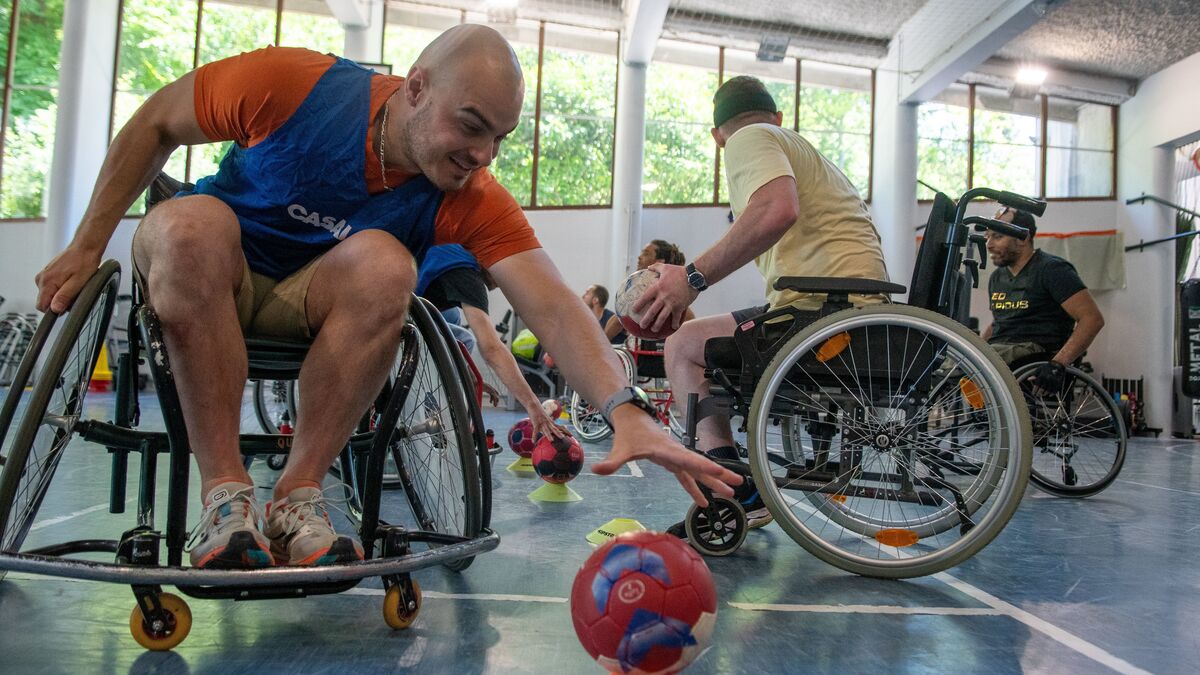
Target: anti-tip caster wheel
399,610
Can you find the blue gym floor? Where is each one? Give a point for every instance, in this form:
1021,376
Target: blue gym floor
1109,583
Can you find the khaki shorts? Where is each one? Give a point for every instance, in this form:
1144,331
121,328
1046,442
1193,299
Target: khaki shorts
1010,352
265,307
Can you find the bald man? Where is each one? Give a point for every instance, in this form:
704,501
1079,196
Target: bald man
337,182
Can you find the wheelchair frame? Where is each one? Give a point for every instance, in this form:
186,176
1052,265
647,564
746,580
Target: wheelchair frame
776,349
164,617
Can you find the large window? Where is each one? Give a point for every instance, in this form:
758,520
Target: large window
680,155
835,116
29,92
976,136
780,80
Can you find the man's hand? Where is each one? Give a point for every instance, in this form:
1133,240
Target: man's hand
665,302
640,437
1049,379
62,279
542,424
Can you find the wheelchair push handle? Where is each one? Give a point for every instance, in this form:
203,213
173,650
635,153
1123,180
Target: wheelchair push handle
1008,229
1022,203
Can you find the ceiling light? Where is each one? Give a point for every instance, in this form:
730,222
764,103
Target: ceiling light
1031,75
501,11
773,48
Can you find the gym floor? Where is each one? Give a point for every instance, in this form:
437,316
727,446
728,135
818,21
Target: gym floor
1108,583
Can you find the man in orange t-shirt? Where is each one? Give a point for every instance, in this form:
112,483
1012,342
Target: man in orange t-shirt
337,182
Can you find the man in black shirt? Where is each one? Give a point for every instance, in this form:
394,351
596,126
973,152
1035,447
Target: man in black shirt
1040,304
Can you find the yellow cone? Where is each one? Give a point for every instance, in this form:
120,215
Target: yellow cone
612,529
522,466
554,492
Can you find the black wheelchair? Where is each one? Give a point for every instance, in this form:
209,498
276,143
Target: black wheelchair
422,421
844,414
1079,433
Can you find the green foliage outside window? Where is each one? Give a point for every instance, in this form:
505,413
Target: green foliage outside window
679,156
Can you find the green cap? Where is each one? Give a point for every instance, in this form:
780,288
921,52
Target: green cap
738,95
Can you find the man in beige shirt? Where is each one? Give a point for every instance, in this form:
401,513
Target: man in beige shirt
796,215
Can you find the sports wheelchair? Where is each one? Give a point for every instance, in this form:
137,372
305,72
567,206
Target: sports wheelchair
1079,434
421,420
642,361
842,409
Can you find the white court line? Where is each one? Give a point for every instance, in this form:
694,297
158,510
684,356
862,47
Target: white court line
635,469
1048,629
495,597
1158,487
1042,626
867,609
62,519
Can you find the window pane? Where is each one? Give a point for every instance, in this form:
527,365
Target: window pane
680,153
579,73
157,45
1079,155
124,105
5,24
39,36
206,158
835,116
942,130
1007,142
411,27
311,24
780,80
28,145
230,27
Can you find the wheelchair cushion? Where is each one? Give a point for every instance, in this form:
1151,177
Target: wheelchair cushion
274,359
849,285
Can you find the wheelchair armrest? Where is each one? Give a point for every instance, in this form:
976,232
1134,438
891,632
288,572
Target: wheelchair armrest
839,285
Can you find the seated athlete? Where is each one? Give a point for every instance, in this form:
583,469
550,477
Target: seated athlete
451,278
1039,304
337,182
796,215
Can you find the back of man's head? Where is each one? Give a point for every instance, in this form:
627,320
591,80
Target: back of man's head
667,252
600,293
1025,219
740,95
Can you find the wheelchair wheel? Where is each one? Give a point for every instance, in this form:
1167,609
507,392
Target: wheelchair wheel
273,398
717,529
433,443
54,406
841,419
21,379
588,423
1079,437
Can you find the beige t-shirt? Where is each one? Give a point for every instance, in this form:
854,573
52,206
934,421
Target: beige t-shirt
834,235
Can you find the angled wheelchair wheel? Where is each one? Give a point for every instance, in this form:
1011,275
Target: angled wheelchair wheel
432,442
1079,436
272,400
586,420
54,406
17,397
846,448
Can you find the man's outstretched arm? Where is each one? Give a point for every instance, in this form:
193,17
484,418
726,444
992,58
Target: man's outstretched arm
567,329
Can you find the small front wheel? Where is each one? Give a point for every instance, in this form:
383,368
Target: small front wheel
166,631
400,609
717,529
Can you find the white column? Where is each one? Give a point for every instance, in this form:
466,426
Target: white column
894,191
365,43
81,130
627,172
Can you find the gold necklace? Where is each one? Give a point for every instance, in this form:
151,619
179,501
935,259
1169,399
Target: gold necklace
382,145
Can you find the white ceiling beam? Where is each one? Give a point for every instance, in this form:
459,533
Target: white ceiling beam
643,24
351,13
948,38
1000,73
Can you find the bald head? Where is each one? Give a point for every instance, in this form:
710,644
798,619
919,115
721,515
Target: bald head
461,99
468,54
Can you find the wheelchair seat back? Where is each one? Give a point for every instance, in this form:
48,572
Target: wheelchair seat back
938,252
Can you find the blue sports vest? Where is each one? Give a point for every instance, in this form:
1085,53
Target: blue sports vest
441,259
303,189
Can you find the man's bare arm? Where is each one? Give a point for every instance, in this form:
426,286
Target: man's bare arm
1088,322
164,122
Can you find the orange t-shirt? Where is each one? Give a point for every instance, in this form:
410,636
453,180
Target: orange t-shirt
245,98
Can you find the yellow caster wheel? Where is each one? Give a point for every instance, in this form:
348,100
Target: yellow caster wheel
400,612
164,634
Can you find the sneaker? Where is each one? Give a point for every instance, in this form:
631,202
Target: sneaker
228,535
678,530
757,514
302,534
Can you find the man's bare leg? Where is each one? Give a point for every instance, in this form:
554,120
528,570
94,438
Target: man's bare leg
684,355
189,251
356,305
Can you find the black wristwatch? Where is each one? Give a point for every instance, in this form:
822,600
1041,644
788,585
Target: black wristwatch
695,278
632,395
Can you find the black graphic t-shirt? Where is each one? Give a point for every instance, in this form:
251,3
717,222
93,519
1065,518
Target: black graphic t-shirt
1028,307
461,286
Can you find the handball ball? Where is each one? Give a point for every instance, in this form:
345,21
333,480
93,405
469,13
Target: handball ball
552,407
630,291
644,603
522,438
557,460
